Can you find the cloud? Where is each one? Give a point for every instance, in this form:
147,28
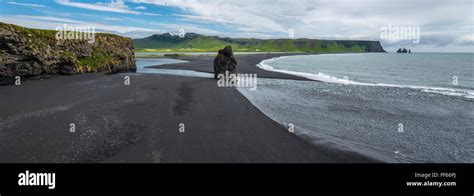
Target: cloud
150,14
465,40
340,19
48,22
27,4
175,28
115,6
442,23
112,19
140,8
228,13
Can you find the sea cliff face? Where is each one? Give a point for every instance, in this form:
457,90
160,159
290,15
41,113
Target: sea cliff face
32,53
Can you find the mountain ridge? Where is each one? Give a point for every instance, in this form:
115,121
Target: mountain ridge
193,42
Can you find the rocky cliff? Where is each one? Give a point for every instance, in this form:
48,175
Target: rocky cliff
34,53
224,61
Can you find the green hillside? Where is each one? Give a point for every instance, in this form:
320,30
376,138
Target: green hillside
192,42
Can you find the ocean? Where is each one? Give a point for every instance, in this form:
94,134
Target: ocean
416,107
143,63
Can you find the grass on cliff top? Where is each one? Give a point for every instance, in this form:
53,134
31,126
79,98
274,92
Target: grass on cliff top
33,32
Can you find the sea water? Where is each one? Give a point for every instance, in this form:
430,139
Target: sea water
416,107
143,67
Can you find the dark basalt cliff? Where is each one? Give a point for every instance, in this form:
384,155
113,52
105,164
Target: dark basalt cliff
33,53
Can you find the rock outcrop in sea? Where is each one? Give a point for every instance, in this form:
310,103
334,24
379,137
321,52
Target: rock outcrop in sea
224,61
404,50
33,53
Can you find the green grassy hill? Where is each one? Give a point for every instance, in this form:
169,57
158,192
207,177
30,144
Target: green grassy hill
192,42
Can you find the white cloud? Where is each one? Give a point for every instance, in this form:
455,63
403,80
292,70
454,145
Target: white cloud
112,19
442,23
341,19
140,8
150,14
188,28
26,4
466,40
48,22
115,6
230,13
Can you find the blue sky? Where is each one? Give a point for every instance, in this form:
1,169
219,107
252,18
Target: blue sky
445,26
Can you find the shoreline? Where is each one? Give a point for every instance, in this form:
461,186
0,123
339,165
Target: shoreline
416,96
245,64
140,123
382,154
202,65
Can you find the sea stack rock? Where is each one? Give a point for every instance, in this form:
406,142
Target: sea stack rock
35,54
224,61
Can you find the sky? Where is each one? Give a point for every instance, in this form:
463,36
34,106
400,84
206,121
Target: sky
443,25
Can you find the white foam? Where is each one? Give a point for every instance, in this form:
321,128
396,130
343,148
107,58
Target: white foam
331,79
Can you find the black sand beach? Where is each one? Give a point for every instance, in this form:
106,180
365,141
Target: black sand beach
140,122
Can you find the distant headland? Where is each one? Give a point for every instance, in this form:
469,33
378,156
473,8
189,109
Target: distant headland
192,42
